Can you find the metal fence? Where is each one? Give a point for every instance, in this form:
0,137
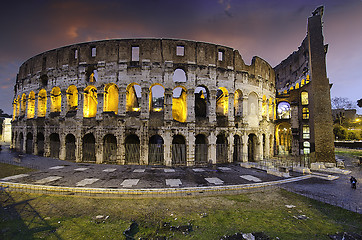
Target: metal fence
178,154
221,153
201,151
155,154
132,153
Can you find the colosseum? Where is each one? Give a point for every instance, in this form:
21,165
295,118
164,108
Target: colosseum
165,102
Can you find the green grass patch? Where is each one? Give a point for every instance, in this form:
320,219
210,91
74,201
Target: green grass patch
180,218
349,152
10,170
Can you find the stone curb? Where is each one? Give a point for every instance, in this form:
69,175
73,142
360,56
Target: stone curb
151,192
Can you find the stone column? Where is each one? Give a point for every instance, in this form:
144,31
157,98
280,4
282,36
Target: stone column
212,107
231,108
212,148
49,104
100,97
145,111
244,140
167,148
63,108
80,103
168,104
259,148
190,105
245,109
62,150
122,99
78,147
99,147
36,106
260,109
231,148
144,144
35,143
190,147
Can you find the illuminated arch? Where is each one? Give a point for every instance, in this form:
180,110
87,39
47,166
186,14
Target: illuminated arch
179,75
238,103
297,86
179,104
15,105
18,106
72,98
90,102
222,101
110,98
31,105
304,98
23,104
133,94
264,106
271,108
302,83
56,99
156,97
283,110
201,101
42,103
283,137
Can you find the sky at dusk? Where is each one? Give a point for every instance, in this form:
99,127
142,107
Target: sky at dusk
266,28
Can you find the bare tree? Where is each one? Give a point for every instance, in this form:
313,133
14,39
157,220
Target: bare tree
359,103
341,102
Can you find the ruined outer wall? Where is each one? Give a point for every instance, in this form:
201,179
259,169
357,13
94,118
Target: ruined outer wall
157,62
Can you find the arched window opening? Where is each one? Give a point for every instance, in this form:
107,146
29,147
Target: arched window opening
253,106
306,148
91,74
42,103
133,93
54,145
238,103
222,102
306,132
72,98
305,113
179,75
201,150
110,98
283,110
18,103
252,150
110,149
304,98
201,100
23,104
40,142
31,105
297,86
237,149
178,150
15,103
89,148
29,143
271,109
283,138
179,104
70,147
264,108
221,149
156,150
56,100
157,96
21,142
90,102
132,147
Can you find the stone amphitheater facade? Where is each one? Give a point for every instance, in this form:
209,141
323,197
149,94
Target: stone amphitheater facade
145,101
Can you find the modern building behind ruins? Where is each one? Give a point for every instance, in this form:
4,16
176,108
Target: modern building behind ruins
173,102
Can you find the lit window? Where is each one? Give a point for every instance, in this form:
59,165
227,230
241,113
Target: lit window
305,112
306,148
135,54
180,50
94,52
306,132
220,55
304,98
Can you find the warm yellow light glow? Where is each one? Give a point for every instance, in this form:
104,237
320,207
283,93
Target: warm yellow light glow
297,86
90,102
42,103
222,103
132,100
238,103
110,98
18,106
157,109
304,98
72,98
136,109
271,108
56,99
31,105
264,108
302,83
283,138
179,106
15,103
156,100
23,104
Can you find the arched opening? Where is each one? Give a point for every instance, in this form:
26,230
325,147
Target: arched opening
157,95
18,103
31,105
238,103
21,142
264,107
221,149
283,110
23,104
72,98
56,100
111,98
42,103
132,147
201,100
155,150
40,142
29,143
90,102
179,104
54,145
110,149
283,137
237,149
91,74
15,103
178,150
304,98
271,109
201,150
179,75
133,96
222,102
89,148
70,147
253,106
252,152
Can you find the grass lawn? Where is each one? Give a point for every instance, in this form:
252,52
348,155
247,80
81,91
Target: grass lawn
71,217
10,170
349,152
